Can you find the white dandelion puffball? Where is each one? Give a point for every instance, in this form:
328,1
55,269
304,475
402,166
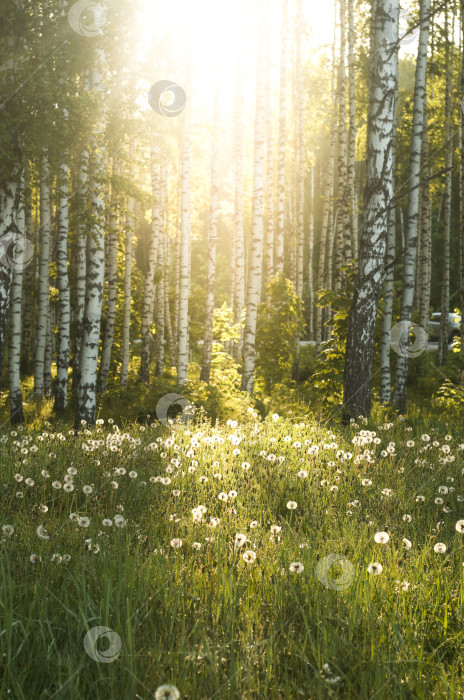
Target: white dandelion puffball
83,521
440,548
176,543
375,568
42,533
296,567
291,505
460,526
167,692
381,537
407,544
249,557
240,539
87,489
7,529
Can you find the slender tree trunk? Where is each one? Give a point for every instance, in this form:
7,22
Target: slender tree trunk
239,300
269,257
160,306
111,255
301,152
184,264
166,270
445,280
256,252
81,262
280,214
212,238
377,202
149,289
461,188
14,350
126,316
413,204
29,287
342,233
87,390
425,233
350,174
44,281
61,390
385,372
311,258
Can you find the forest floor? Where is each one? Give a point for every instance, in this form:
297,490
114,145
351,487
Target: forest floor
235,561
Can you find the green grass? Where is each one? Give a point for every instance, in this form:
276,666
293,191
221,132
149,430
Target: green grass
205,620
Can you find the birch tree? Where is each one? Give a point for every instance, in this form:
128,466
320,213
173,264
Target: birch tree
126,317
87,389
159,293
239,242
111,257
256,250
14,350
409,267
62,364
282,146
377,201
184,266
212,246
43,285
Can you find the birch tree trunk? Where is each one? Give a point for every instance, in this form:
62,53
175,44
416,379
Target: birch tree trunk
413,203
239,300
385,373
43,283
166,270
342,235
81,262
350,173
111,255
28,285
149,289
126,316
87,390
159,294
445,280
14,350
269,259
425,233
62,364
280,214
378,198
212,245
256,252
184,264
461,188
311,258
301,152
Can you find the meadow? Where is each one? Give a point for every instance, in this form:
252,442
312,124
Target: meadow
266,558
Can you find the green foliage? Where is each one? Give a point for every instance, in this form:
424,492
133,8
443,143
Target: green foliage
280,323
328,376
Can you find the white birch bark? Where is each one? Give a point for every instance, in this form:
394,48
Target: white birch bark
87,389
126,315
159,294
43,282
281,154
257,225
184,264
62,364
311,257
149,289
350,174
111,257
409,267
378,199
14,349
81,264
212,247
239,287
300,194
